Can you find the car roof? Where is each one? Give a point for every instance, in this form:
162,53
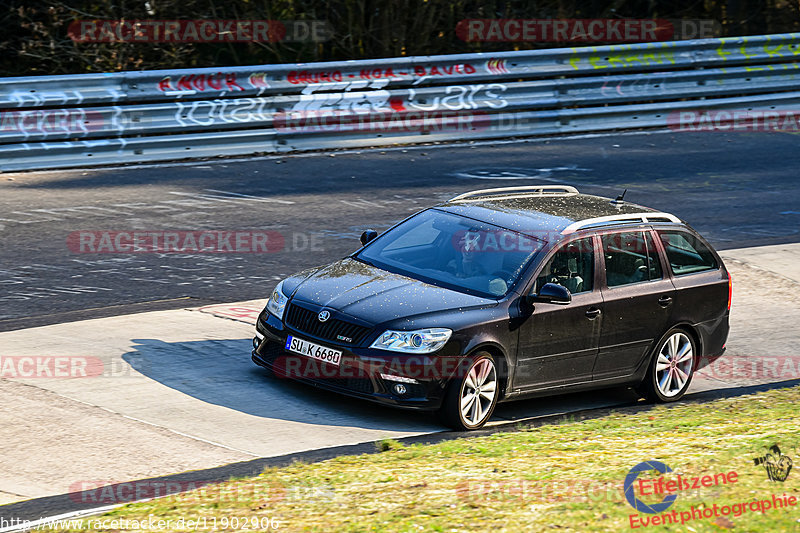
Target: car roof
558,209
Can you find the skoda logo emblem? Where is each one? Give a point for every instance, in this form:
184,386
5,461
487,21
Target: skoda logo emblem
324,315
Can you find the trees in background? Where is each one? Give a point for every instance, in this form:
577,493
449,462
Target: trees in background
35,36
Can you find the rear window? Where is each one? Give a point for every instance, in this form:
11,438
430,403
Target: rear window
686,253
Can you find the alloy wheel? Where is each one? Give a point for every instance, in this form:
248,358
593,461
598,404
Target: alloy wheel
674,364
478,392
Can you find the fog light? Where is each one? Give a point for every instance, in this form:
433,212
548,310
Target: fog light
256,342
399,389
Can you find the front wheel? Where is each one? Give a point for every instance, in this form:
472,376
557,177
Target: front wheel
472,395
671,369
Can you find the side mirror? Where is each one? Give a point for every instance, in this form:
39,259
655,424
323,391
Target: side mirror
367,236
552,293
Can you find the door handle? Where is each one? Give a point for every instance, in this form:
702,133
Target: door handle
664,301
592,313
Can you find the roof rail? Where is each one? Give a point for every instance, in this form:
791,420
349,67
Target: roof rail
618,219
515,192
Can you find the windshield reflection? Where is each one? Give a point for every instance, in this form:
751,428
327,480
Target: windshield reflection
454,251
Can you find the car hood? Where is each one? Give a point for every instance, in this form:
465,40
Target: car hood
375,295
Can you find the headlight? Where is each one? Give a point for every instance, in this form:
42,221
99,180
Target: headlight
277,302
418,341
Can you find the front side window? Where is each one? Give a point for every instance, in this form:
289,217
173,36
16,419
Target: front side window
572,266
630,257
686,253
453,251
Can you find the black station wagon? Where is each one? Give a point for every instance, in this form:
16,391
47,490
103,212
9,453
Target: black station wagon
503,294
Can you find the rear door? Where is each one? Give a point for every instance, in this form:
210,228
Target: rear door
638,298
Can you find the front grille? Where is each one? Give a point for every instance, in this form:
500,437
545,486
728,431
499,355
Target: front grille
306,321
363,385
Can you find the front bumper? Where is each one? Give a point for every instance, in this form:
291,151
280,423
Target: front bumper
362,373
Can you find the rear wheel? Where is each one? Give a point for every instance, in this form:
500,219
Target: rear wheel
472,395
671,368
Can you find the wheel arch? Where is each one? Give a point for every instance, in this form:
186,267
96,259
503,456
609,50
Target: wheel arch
691,330
687,327
501,360
648,387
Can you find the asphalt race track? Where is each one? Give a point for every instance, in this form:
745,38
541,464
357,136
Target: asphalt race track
170,333
738,190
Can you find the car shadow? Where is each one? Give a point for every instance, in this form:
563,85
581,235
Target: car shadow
220,372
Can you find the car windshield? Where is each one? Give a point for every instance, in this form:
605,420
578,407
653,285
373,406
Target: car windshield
453,251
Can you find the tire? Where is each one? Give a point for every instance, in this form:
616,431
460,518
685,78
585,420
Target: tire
480,374
671,367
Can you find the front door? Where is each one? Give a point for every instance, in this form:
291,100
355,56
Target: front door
558,343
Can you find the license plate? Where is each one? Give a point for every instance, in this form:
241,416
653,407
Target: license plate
315,351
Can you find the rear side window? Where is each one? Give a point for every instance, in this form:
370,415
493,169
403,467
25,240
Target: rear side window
686,253
630,257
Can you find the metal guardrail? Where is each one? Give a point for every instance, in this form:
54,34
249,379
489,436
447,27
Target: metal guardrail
77,120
